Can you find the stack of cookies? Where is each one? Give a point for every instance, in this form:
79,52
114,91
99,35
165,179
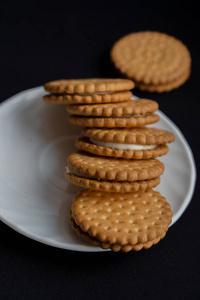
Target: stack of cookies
155,61
117,163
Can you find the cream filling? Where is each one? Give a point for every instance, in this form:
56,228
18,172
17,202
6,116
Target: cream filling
122,146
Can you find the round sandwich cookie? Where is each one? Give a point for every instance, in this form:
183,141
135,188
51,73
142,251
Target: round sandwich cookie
121,221
129,143
88,86
134,113
100,97
156,61
113,174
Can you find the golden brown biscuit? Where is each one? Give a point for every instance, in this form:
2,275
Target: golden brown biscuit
152,59
87,98
113,174
87,145
121,221
134,113
128,108
92,166
143,135
112,186
159,88
110,122
129,143
91,85
115,247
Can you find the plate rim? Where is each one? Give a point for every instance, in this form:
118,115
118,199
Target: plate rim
193,176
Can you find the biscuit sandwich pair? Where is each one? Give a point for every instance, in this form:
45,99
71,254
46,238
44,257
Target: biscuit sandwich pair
117,163
156,62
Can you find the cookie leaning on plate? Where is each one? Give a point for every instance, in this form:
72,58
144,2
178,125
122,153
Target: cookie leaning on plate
128,221
86,91
129,143
113,174
134,113
157,62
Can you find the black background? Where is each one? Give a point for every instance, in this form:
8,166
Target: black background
43,41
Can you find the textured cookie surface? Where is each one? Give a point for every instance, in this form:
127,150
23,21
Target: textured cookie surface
143,135
122,219
113,168
133,107
111,122
112,186
93,85
151,57
87,99
86,145
113,247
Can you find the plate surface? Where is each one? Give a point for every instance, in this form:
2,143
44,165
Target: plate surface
36,140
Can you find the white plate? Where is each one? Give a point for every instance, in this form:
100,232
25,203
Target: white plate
36,140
